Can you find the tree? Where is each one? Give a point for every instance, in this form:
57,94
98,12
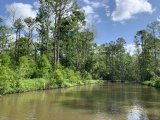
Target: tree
144,43
22,45
5,34
43,22
153,29
30,22
18,26
26,68
44,67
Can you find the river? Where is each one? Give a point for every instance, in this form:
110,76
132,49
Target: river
91,102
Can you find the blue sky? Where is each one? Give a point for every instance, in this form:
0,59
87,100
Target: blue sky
111,18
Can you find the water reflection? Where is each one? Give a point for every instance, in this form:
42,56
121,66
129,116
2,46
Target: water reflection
103,102
137,113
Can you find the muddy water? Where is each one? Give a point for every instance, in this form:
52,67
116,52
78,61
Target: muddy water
94,102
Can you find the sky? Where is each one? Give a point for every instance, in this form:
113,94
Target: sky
111,18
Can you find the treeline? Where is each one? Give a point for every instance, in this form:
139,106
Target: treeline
148,54
57,49
144,66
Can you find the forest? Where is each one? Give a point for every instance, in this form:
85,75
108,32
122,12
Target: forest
57,49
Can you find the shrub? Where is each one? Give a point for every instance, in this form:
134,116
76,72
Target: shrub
59,66
79,78
71,76
89,76
5,60
7,81
32,84
59,77
44,67
155,81
26,68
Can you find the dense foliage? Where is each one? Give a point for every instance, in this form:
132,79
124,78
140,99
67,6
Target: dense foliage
49,51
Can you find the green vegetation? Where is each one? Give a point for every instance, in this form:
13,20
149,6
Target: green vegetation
154,82
60,52
29,76
46,53
41,84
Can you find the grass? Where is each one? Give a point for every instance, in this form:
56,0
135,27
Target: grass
44,84
152,83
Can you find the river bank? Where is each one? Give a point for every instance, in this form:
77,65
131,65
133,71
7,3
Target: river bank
154,82
44,84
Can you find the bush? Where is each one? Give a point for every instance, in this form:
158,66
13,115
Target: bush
26,68
59,77
71,76
154,82
79,78
89,76
44,67
5,60
7,81
21,80
32,84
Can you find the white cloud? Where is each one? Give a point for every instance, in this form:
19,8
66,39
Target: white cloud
86,1
93,4
127,9
36,4
88,9
93,18
20,10
97,17
92,10
106,7
91,13
96,4
131,49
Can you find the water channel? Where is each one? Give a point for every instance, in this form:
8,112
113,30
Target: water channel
91,102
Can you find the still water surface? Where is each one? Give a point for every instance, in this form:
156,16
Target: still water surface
94,102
